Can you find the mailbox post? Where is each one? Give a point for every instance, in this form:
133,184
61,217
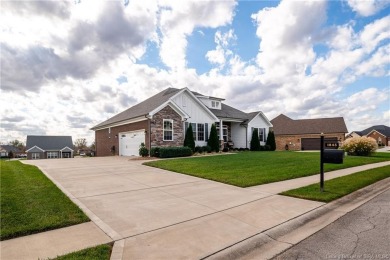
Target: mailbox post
322,164
328,156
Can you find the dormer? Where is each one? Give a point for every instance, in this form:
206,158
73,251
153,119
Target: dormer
210,102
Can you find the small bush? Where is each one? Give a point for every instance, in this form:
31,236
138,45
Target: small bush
169,152
271,141
241,149
198,149
246,149
360,146
206,149
213,141
189,138
267,148
225,149
155,151
255,142
143,151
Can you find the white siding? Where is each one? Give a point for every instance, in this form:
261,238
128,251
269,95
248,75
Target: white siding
196,112
257,122
238,135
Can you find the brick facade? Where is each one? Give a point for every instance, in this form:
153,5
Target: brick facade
294,141
379,138
42,155
106,139
156,127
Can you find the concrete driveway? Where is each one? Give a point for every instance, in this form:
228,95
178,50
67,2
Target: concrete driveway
153,213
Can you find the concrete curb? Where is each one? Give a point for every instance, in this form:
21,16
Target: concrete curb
276,240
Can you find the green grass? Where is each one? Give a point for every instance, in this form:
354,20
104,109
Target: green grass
339,187
31,203
254,168
101,252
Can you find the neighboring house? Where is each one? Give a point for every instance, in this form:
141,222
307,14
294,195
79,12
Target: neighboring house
6,149
381,133
49,147
304,134
162,120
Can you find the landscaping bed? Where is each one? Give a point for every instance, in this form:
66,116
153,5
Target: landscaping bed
341,186
31,203
246,169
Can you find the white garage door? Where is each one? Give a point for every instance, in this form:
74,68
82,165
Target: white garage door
129,142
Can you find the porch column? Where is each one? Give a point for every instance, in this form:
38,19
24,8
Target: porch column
221,142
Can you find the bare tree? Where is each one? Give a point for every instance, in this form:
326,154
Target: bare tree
80,143
18,144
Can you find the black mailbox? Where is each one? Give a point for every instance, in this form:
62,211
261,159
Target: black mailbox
333,156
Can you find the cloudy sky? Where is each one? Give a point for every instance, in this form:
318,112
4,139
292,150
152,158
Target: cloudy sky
68,65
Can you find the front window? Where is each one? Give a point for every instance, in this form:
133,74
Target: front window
193,126
52,155
35,156
262,134
224,133
200,132
168,130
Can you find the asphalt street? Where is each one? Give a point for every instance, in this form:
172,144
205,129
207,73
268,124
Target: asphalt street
364,233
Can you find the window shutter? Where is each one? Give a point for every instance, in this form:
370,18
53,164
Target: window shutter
206,131
265,136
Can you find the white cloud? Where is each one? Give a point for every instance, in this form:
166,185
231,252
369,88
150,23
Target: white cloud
286,34
221,52
66,74
368,7
178,19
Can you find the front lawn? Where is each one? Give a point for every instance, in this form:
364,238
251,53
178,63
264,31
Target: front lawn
339,187
101,252
254,168
31,203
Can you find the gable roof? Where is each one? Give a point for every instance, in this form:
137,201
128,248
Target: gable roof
9,148
385,130
229,112
48,143
162,98
141,109
283,125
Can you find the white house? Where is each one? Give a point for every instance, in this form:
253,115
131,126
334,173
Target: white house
162,120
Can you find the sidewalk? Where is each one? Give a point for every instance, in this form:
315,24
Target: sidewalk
53,243
209,235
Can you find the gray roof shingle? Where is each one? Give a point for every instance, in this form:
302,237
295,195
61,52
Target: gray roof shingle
141,109
229,112
47,143
383,129
148,105
9,148
284,125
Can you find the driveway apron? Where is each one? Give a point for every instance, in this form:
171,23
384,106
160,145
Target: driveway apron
160,214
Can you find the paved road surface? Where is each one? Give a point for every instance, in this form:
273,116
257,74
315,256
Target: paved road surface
364,233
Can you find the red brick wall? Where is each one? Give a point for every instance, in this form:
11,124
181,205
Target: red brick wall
376,136
157,128
105,140
282,140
